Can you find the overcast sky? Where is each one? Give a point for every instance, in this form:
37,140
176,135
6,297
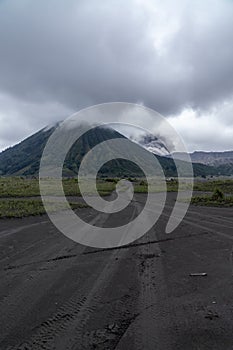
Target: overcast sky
175,56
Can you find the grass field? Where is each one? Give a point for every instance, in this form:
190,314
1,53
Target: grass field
209,200
16,193
20,197
217,198
18,187
226,186
18,208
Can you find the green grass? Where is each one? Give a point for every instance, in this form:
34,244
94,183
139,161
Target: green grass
218,198
221,196
16,193
16,196
140,186
172,186
206,200
18,208
71,187
22,187
18,187
226,186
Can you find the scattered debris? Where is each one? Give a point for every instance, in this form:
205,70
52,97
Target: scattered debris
196,274
211,315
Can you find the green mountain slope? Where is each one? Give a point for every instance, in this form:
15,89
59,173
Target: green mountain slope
24,158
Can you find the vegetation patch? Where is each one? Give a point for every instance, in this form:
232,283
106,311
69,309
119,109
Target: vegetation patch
226,186
17,187
217,199
13,191
18,208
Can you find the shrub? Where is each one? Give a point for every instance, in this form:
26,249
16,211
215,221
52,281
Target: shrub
218,195
143,183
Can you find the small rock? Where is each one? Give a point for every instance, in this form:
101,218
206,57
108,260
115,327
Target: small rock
198,274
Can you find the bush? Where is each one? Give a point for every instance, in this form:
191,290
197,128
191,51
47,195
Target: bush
218,195
114,180
143,183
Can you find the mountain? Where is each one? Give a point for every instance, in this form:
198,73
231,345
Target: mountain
209,158
221,161
212,158
24,158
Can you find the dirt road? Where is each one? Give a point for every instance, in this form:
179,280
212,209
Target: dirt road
57,294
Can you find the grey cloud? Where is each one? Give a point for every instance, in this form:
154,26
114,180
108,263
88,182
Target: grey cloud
19,119
78,53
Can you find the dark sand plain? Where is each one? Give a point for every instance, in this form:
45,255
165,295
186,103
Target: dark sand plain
57,294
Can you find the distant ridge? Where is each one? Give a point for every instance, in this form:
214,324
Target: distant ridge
212,158
221,161
208,158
